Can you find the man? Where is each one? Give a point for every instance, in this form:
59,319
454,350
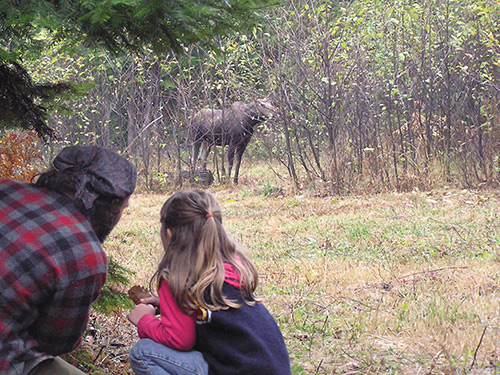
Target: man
52,265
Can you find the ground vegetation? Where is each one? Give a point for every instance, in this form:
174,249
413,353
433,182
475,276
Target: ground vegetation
392,283
372,96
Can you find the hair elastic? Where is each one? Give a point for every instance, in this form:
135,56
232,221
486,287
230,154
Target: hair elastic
209,215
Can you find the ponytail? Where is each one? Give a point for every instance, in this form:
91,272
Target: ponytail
194,258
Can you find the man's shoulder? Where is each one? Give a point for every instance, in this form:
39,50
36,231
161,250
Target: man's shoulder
44,219
13,184
12,190
18,194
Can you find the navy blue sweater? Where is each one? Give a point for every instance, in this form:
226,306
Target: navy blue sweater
242,341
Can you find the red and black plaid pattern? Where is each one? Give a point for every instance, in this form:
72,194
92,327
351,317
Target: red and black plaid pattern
52,267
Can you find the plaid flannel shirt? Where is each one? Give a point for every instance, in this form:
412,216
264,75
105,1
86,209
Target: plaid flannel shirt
52,268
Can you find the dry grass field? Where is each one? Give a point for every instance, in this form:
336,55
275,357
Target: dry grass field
387,284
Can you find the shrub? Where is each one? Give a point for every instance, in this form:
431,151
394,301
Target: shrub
19,155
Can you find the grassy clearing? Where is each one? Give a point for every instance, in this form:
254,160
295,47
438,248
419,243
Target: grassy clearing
393,283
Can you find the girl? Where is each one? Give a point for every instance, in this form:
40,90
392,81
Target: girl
211,322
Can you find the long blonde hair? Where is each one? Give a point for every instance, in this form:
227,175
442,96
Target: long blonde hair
194,258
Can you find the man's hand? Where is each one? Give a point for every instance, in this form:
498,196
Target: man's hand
139,311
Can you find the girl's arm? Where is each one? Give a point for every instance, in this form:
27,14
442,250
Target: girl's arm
175,329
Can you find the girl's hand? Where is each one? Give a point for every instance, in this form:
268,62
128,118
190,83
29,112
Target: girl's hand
139,311
155,301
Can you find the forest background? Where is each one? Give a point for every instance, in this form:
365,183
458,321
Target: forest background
372,96
386,110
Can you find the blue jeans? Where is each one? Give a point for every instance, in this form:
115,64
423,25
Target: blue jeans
147,357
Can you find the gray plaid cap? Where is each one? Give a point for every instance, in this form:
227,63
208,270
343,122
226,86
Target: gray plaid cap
98,171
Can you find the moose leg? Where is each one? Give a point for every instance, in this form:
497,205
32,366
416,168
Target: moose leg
239,154
194,154
230,159
205,151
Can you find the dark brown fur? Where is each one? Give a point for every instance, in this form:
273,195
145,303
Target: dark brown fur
232,126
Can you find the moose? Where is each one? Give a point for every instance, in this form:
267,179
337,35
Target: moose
232,127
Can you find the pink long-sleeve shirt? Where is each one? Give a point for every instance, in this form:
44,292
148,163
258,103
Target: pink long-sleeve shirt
176,329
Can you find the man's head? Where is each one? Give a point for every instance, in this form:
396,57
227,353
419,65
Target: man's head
98,180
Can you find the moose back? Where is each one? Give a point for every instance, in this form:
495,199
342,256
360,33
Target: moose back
232,127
